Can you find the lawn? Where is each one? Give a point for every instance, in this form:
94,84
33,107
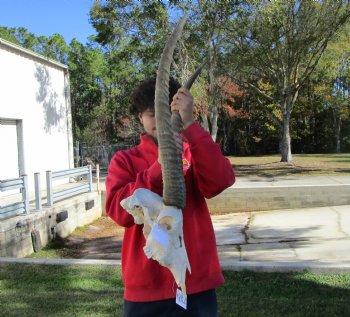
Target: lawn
45,290
302,165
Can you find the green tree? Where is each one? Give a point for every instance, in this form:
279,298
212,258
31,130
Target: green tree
130,35
143,26
333,78
139,27
8,34
280,43
86,65
213,18
53,47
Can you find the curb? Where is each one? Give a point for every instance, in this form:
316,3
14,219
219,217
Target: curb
269,267
67,262
288,267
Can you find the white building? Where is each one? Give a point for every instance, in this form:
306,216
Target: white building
35,114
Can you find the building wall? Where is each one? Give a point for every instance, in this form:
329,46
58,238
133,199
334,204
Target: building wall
34,92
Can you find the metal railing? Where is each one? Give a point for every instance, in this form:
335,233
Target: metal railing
53,197
17,208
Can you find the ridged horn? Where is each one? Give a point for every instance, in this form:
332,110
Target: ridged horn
174,189
175,119
194,76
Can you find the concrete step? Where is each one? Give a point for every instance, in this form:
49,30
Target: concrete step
260,194
312,235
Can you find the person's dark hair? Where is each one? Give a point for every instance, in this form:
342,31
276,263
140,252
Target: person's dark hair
142,97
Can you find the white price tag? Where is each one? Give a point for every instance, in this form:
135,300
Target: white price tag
160,235
181,299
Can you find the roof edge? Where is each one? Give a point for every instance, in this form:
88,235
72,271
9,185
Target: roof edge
33,54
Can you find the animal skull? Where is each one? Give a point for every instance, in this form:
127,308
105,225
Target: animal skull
163,232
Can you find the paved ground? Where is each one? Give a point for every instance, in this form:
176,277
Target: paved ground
316,239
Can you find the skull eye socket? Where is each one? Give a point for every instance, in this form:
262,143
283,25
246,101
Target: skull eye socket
166,223
167,227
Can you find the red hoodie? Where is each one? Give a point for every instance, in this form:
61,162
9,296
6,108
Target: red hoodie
207,173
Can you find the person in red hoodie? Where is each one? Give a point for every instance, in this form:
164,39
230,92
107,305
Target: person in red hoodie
149,288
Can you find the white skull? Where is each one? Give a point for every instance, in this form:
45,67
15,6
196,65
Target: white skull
163,230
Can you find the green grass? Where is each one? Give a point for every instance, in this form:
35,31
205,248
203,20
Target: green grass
40,290
44,290
282,294
302,165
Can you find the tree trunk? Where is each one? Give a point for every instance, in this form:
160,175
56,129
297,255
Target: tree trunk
214,122
287,104
337,128
213,111
204,122
285,145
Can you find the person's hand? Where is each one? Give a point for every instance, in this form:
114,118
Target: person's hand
183,102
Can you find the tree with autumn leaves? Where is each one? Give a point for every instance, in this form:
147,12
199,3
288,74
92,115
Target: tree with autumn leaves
277,78
279,44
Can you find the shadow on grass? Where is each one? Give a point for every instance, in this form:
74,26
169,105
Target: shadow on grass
303,164
82,247
284,294
45,290
95,248
343,170
42,290
340,159
329,157
269,170
272,170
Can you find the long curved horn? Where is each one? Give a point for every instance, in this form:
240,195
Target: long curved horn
176,122
174,189
194,76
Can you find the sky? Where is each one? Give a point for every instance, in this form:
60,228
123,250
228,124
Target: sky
69,18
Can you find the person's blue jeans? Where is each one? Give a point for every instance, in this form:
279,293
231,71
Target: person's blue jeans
202,304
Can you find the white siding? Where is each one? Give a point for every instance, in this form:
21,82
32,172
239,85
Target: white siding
33,91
